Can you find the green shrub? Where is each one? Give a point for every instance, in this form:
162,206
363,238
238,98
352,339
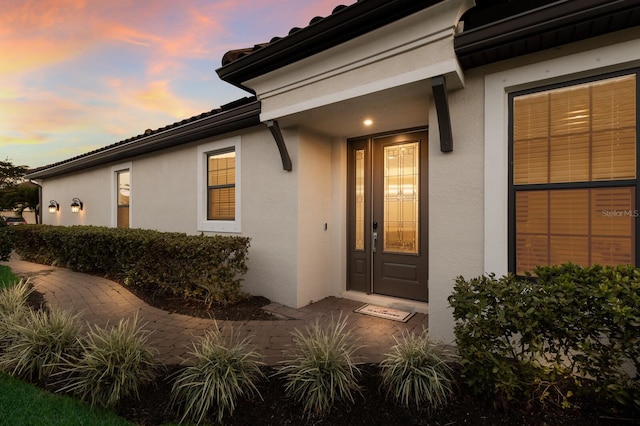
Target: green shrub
6,244
40,340
210,268
113,364
538,337
416,373
225,368
322,371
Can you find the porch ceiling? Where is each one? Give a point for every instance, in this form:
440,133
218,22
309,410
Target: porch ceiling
398,108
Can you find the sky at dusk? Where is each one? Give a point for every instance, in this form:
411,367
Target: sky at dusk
77,75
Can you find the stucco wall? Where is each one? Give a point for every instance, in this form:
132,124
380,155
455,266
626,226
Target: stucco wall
163,194
92,187
338,215
456,207
270,217
164,197
314,206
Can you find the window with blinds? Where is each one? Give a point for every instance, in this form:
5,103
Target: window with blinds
221,185
574,178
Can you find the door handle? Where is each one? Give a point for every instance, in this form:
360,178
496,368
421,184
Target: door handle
375,241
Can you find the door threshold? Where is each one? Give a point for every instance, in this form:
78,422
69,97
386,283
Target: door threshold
387,301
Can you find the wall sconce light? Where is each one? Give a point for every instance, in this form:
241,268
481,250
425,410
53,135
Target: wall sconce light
76,205
54,206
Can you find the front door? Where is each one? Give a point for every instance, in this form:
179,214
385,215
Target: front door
387,215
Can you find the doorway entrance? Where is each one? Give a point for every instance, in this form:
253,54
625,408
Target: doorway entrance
387,215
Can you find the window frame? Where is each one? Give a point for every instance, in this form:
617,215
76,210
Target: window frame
204,151
513,188
114,192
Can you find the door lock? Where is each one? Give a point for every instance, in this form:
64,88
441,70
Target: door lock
374,239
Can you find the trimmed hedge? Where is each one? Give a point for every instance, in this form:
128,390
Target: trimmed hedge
570,327
206,267
5,241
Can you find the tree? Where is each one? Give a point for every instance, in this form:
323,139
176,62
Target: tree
23,196
15,193
11,175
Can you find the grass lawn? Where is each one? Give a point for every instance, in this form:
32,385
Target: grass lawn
24,404
7,277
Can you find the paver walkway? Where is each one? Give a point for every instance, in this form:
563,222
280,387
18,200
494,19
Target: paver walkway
101,302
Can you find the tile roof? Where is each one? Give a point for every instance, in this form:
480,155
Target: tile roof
345,23
236,54
228,112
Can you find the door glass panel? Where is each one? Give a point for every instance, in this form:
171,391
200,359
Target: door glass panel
401,176
359,191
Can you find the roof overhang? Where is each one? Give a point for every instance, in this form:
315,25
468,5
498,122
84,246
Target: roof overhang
343,25
545,27
227,121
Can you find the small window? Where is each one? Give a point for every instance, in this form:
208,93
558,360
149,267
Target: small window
121,190
124,197
219,186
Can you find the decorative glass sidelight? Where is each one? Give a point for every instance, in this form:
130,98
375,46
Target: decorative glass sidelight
401,198
359,210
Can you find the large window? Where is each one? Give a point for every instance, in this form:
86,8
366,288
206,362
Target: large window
574,174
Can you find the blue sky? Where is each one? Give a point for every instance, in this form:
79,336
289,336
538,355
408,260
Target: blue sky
77,75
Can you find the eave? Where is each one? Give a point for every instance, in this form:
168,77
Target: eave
546,27
346,23
239,118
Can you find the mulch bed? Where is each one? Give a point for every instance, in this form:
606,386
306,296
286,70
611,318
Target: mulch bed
247,309
370,408
274,407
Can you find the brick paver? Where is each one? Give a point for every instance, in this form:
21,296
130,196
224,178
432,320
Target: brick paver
103,302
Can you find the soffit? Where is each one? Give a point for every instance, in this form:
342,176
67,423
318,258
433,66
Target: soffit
542,25
401,107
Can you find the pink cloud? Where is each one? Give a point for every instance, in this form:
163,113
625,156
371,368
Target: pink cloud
160,37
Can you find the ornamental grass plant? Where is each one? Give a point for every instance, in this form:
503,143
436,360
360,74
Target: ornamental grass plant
226,368
112,364
40,340
13,310
14,298
322,370
416,373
